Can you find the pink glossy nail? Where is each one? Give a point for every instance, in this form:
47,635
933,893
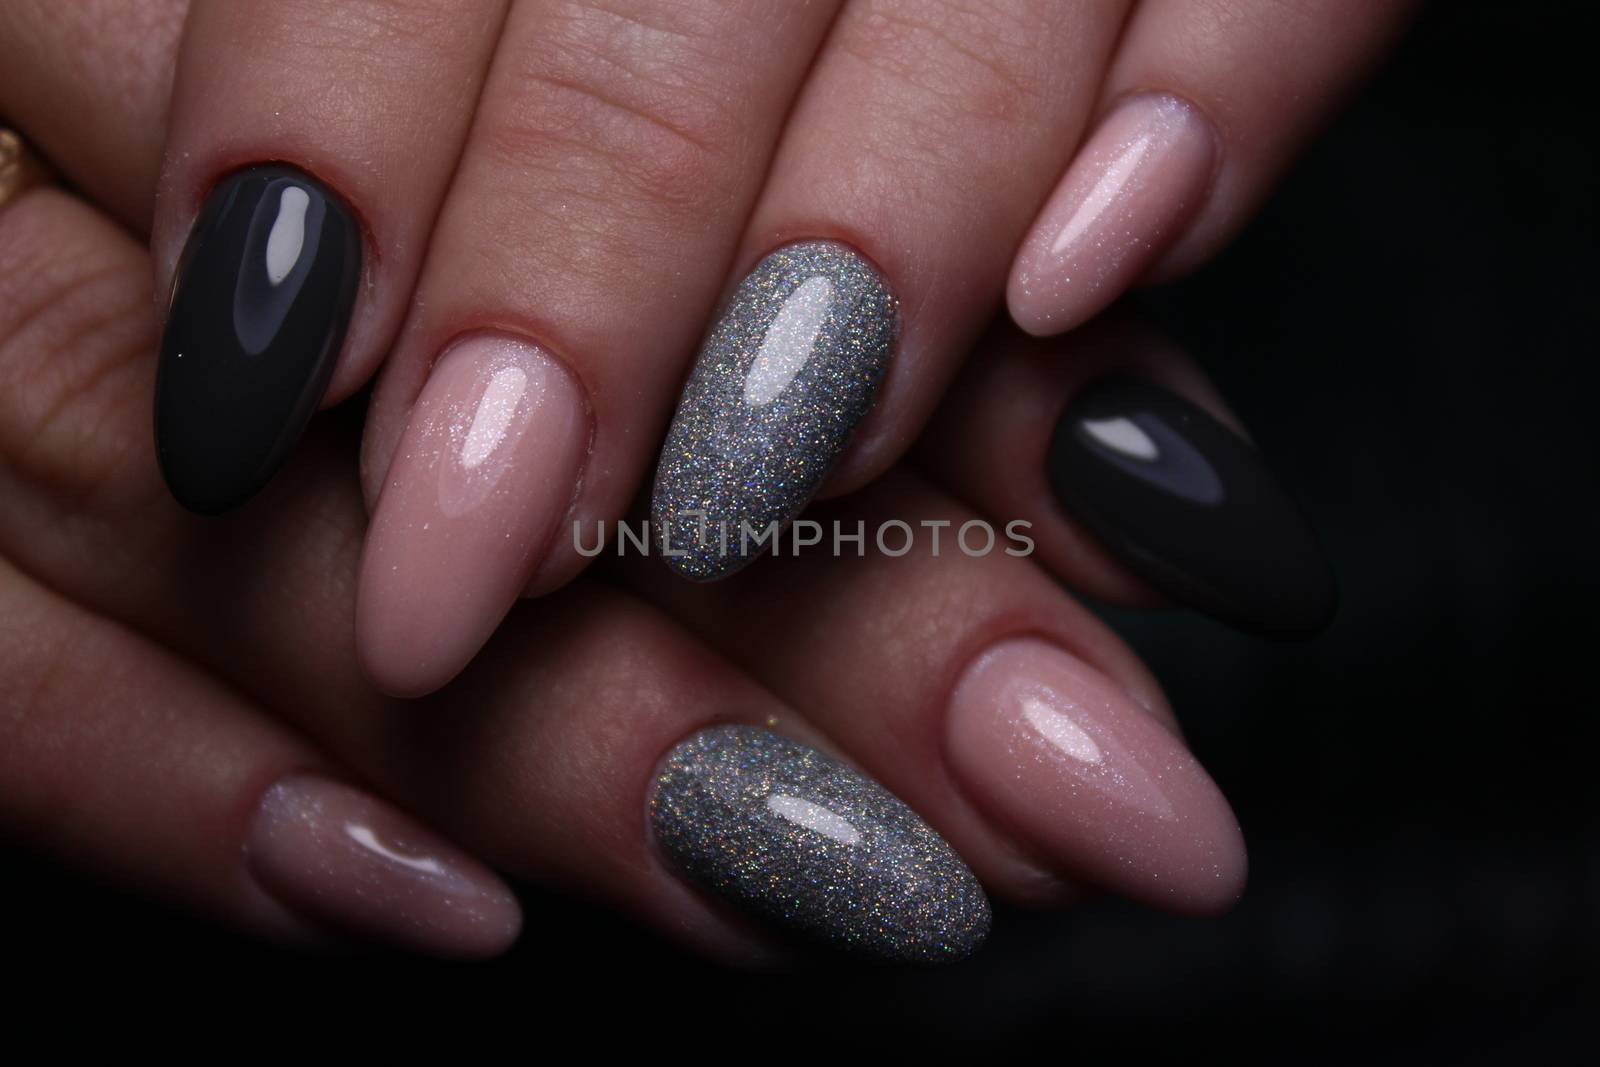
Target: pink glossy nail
343,857
1135,183
1057,753
485,472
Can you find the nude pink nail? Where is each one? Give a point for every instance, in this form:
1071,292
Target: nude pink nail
485,472
1059,755
1135,183
345,858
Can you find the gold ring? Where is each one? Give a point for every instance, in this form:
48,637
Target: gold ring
20,169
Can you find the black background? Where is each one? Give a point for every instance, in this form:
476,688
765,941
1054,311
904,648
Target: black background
1404,328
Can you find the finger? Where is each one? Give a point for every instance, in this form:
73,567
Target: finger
1201,111
119,757
88,83
961,676
310,145
1133,476
906,174
544,759
616,153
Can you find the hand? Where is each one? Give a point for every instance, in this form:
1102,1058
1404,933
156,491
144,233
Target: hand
551,198
183,706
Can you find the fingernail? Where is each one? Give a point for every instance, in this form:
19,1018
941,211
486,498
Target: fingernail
1055,751
344,858
787,374
1137,180
483,476
1187,504
800,840
262,297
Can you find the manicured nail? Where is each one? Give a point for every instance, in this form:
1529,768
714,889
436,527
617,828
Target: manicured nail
484,474
344,858
798,839
1187,504
262,297
1054,750
1135,183
787,374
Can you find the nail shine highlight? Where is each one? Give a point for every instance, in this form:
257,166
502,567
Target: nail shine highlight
798,839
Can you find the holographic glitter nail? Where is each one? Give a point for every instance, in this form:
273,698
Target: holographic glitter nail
782,382
800,840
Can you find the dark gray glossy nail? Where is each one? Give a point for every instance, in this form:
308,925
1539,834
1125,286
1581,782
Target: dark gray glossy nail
260,304
784,379
798,839
1188,505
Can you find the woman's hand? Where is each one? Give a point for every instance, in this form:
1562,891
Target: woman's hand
183,706
551,199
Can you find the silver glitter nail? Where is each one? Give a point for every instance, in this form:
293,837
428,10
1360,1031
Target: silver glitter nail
785,377
799,839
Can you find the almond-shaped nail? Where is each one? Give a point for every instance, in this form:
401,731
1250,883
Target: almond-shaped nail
798,839
343,858
1188,505
1135,183
263,295
787,374
1060,755
485,472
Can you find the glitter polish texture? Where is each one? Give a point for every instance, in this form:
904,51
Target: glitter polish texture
784,379
797,838
1135,184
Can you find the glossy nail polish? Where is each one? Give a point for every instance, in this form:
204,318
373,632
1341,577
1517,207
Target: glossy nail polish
788,373
798,839
1188,505
487,467
262,297
1053,749
345,858
1136,182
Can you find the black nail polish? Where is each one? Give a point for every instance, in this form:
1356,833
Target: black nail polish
1187,504
263,295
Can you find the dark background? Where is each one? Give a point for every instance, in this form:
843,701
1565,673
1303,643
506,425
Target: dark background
1404,328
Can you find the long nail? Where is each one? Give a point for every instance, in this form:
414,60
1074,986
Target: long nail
787,374
1187,504
263,294
1056,751
347,859
485,472
798,839
1135,183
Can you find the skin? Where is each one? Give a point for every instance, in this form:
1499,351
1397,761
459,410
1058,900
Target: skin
593,178
96,557
551,729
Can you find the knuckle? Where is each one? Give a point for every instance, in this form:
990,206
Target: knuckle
977,60
609,100
77,340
